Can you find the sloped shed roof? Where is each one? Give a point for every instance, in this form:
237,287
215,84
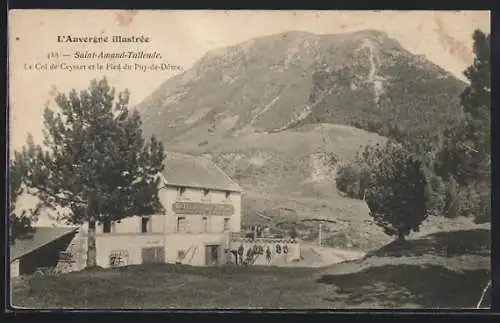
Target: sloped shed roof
41,237
199,172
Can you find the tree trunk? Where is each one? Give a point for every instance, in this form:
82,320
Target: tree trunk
401,237
91,245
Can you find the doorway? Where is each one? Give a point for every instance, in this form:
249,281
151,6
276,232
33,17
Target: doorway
153,255
212,255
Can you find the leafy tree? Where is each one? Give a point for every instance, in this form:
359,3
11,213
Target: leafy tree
348,180
475,200
452,205
94,160
20,221
436,193
397,194
354,178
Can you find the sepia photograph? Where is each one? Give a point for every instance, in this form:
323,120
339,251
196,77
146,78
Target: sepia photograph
249,159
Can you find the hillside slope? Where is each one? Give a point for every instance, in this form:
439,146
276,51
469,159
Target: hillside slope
274,82
288,161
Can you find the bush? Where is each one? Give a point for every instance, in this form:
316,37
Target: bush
436,194
348,180
397,197
475,201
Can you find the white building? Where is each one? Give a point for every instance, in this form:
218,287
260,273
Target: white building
203,206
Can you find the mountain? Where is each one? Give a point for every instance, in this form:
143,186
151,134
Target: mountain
280,113
273,83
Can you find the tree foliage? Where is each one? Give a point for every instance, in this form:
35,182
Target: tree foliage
348,180
353,179
20,221
452,202
397,195
94,160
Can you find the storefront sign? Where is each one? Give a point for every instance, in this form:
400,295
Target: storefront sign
153,242
203,208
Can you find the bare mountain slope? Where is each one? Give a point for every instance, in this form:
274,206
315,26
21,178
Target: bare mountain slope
271,83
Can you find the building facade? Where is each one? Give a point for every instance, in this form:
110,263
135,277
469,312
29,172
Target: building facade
202,208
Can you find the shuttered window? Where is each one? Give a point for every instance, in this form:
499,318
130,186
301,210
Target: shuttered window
146,224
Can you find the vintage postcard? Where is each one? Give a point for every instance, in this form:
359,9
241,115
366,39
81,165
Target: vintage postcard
249,159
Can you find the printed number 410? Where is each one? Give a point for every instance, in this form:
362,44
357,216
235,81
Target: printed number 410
53,55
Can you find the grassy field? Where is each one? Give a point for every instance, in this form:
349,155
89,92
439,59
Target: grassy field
442,270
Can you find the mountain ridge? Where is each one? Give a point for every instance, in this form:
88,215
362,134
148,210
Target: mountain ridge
274,82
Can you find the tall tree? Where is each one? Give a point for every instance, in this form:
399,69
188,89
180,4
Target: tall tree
466,154
397,195
94,160
476,98
467,151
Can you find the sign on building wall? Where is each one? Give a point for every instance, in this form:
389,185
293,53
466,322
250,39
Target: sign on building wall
203,208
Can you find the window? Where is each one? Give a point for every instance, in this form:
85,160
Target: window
181,224
228,195
181,191
226,224
106,226
145,224
205,224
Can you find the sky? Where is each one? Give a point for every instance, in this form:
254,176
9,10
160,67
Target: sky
182,37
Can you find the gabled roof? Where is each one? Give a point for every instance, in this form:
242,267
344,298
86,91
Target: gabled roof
199,172
40,237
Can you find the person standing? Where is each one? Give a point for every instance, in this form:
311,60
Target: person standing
235,255
239,258
268,255
249,256
259,231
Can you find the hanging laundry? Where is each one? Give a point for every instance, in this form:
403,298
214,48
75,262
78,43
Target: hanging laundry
285,249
